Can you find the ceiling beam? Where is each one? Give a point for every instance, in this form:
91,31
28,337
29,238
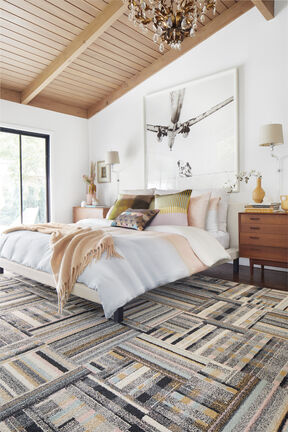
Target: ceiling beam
266,7
202,34
10,95
93,31
45,103
57,106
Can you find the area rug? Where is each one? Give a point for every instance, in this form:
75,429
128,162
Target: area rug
199,354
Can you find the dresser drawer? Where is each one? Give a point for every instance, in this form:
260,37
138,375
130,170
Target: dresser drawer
265,253
276,240
260,229
255,219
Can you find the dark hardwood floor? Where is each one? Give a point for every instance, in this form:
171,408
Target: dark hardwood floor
271,279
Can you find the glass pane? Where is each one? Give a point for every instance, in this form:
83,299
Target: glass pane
33,179
9,180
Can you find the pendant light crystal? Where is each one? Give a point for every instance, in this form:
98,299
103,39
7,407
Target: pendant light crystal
172,20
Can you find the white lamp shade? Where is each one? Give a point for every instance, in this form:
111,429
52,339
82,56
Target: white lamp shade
112,157
271,134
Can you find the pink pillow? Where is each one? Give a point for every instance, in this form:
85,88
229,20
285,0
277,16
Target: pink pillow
197,210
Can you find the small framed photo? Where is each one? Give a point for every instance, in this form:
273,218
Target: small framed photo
103,172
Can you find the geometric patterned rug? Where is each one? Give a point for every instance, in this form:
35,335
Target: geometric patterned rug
199,354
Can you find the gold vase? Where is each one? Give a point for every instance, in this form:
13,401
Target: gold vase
284,202
258,193
92,189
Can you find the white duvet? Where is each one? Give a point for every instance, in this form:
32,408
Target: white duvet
148,262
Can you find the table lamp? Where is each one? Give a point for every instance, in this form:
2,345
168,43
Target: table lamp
112,158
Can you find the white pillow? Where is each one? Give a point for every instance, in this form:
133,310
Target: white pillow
212,215
222,207
93,222
138,191
169,191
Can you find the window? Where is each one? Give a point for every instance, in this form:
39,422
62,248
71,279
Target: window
24,177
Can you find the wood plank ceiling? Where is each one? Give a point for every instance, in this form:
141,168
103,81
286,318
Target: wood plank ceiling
78,56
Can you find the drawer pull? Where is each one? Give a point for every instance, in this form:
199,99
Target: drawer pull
254,238
254,228
254,218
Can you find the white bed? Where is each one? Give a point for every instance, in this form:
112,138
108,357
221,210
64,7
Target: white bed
151,259
85,292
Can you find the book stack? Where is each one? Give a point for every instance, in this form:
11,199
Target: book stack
262,208
93,205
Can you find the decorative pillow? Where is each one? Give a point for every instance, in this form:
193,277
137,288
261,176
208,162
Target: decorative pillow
197,210
152,204
128,201
173,209
212,215
169,191
222,207
135,219
138,191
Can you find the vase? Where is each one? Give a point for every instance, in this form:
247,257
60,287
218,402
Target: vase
92,190
89,199
284,202
258,193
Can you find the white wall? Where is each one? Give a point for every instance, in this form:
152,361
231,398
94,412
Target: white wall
259,49
68,152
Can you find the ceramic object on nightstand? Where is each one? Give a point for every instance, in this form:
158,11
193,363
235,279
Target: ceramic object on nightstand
258,193
284,202
91,196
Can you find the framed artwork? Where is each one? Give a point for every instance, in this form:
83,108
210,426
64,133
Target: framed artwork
191,134
103,172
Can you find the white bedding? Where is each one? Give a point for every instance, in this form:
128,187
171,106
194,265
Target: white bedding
148,261
222,237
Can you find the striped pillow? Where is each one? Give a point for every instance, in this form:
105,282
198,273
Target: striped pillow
128,201
173,208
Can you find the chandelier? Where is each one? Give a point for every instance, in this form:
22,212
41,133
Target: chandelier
172,20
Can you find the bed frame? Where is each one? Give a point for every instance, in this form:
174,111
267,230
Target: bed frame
81,290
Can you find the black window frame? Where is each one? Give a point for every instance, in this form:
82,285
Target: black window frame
47,165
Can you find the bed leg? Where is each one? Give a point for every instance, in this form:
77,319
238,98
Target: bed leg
236,265
118,315
1,270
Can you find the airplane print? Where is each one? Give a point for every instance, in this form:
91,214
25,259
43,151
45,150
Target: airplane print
175,127
191,133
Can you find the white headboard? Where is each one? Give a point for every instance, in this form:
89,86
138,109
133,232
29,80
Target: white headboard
233,210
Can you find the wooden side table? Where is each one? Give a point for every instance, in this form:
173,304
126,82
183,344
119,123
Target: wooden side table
89,212
263,238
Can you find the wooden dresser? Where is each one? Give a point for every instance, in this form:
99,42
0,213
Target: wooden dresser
263,238
89,212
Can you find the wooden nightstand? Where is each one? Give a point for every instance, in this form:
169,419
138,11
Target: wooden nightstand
263,238
89,212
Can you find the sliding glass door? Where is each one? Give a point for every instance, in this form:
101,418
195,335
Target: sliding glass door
24,177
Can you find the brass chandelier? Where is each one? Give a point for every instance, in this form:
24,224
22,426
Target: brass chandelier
172,20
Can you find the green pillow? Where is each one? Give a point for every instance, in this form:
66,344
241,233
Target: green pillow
129,201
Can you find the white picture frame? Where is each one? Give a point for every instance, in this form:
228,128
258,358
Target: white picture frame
191,134
103,172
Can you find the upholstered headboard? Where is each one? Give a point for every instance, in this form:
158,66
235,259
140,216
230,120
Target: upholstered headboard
233,210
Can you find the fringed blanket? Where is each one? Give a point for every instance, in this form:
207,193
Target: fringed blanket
151,258
73,248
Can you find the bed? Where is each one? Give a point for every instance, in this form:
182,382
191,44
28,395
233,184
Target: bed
159,255
155,263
